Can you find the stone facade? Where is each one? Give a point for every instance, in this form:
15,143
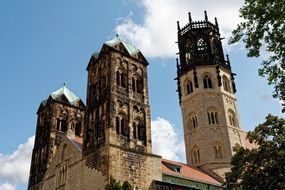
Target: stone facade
117,138
68,170
62,114
207,97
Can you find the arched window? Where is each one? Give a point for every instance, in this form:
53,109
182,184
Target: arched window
232,118
189,87
61,125
194,122
226,84
213,117
137,84
218,152
137,126
142,133
201,44
121,125
196,155
121,78
207,82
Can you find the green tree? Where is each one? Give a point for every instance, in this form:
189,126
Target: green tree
116,185
127,186
264,166
264,27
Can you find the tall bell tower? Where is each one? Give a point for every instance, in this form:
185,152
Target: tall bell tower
117,135
206,91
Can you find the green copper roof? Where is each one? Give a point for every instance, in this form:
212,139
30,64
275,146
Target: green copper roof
67,93
131,49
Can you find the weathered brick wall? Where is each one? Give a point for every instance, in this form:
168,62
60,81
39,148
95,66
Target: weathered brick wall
140,169
98,160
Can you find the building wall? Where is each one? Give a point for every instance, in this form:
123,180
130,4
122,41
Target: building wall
139,168
205,136
78,176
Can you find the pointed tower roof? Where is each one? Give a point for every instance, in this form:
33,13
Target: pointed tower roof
117,43
71,97
63,95
131,49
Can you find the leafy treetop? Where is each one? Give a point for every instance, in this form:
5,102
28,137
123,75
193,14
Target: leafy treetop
264,27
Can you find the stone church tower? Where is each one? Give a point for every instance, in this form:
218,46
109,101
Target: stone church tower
117,136
61,114
207,98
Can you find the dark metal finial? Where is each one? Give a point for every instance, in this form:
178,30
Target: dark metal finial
190,18
206,17
65,84
216,22
178,26
117,35
228,60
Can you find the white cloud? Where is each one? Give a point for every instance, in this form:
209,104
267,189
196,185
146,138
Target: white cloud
15,167
166,141
157,35
7,186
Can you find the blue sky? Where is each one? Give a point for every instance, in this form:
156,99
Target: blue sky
46,43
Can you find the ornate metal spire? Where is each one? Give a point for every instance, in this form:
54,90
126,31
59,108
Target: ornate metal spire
206,16
190,18
216,22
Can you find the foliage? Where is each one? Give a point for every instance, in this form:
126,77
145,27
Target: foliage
116,185
264,27
264,166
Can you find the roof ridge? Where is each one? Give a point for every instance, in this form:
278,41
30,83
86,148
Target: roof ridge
71,97
130,48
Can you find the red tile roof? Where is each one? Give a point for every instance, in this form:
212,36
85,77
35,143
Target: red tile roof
190,172
77,141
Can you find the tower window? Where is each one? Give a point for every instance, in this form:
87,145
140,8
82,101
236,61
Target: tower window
137,85
194,122
226,84
213,118
121,125
61,125
142,135
137,130
207,82
188,57
232,118
189,87
196,156
218,152
201,45
121,79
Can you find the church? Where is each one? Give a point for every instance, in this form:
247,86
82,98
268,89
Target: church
80,146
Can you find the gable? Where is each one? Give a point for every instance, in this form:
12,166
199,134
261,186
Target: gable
66,152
